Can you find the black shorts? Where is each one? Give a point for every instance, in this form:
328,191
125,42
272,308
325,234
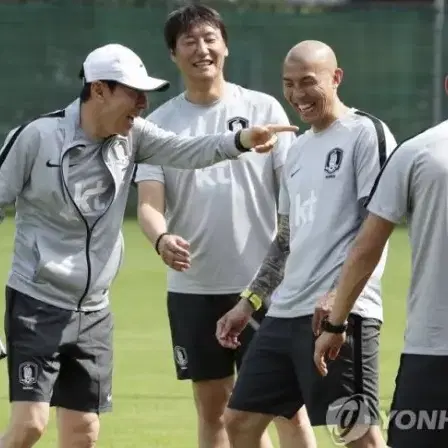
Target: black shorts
419,410
58,356
279,376
197,353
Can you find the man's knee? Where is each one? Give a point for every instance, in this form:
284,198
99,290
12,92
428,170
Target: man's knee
211,399
27,424
78,429
299,422
297,431
241,422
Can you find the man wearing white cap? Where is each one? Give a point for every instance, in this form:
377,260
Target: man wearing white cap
69,173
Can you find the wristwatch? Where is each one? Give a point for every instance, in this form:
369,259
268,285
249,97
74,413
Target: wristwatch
328,327
255,301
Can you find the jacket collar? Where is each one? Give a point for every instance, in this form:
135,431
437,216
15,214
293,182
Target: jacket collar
69,123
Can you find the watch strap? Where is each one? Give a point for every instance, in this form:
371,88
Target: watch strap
328,327
255,300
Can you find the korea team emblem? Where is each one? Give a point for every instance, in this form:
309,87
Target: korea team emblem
237,123
333,160
28,374
180,355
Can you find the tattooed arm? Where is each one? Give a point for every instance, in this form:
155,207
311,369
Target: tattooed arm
230,326
272,270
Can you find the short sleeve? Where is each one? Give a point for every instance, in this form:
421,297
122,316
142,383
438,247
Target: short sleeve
390,196
374,145
145,172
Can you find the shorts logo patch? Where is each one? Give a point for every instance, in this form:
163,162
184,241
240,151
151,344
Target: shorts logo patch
180,354
28,374
333,161
237,123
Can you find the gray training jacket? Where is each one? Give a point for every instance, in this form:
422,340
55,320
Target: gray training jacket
57,258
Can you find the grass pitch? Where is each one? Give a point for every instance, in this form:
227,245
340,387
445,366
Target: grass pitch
151,408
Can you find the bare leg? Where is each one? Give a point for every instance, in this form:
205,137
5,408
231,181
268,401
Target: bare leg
27,423
77,429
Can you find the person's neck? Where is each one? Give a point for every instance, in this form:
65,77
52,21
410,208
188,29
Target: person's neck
206,92
88,122
338,110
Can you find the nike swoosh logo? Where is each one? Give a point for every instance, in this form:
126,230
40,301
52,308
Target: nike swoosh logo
55,165
52,165
295,172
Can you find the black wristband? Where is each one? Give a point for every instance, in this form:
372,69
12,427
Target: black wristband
156,245
328,327
238,144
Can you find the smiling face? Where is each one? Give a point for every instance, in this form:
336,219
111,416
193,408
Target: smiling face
311,89
200,53
116,108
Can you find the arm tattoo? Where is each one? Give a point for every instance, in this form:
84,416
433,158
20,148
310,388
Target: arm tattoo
272,270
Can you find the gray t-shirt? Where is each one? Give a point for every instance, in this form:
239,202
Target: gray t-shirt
414,185
325,178
227,211
90,183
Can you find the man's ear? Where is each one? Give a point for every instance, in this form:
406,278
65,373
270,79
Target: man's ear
173,55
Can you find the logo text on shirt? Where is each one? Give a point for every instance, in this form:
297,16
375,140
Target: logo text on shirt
88,199
305,209
216,175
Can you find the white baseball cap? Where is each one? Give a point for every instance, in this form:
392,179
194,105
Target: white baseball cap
115,62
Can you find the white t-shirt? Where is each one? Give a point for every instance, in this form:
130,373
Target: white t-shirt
325,178
228,211
414,185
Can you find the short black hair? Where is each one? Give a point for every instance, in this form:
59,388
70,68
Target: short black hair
183,19
86,91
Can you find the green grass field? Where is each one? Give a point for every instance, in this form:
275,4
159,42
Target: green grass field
151,408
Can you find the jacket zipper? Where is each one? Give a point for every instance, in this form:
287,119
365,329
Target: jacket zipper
88,229
84,220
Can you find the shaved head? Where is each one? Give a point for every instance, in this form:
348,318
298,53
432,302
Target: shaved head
311,78
312,53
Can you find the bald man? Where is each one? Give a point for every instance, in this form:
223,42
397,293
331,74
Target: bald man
329,172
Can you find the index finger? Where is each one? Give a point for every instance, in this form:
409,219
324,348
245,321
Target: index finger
322,366
179,250
220,329
319,361
282,128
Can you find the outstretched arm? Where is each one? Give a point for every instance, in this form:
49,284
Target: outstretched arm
156,146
